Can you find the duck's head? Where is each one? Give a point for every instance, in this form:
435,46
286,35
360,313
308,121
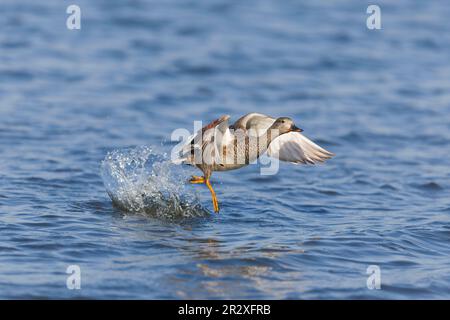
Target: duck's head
285,125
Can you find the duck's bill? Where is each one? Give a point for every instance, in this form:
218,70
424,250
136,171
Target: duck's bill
294,128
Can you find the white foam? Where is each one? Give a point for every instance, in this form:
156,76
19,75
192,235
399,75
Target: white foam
143,180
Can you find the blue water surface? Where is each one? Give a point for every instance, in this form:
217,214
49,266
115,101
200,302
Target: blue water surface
137,70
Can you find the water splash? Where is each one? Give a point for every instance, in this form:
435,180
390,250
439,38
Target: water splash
142,180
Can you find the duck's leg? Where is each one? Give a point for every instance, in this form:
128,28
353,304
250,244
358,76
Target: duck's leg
213,195
205,180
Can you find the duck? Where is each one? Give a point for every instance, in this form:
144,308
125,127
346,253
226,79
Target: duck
219,146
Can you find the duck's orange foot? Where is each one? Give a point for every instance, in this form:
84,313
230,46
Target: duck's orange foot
197,179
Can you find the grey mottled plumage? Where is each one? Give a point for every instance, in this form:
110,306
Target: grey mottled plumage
220,147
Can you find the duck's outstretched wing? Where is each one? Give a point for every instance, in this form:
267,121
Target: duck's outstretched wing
295,147
292,147
216,132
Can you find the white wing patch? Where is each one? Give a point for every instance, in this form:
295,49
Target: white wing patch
295,147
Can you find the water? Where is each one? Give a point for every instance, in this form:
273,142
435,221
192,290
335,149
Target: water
137,70
142,180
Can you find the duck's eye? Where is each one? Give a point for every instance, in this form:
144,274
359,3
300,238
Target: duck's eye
282,121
